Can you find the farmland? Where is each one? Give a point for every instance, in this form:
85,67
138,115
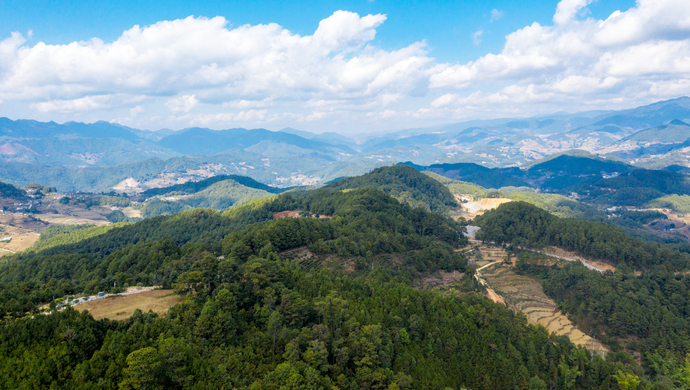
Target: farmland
525,294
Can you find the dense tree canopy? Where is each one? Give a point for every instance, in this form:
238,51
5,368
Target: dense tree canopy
522,224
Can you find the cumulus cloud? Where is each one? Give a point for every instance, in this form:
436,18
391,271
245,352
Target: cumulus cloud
183,103
630,54
202,71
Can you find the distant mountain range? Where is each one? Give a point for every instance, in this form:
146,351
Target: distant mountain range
104,156
584,177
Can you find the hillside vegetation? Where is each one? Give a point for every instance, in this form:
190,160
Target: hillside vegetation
256,319
10,191
405,184
522,224
218,195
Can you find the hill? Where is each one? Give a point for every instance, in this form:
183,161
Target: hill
675,131
477,174
219,195
12,192
403,183
192,187
523,224
319,322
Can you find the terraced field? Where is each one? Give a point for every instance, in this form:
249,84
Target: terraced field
526,294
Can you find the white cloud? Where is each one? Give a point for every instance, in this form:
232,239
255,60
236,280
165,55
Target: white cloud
201,71
566,10
183,103
133,112
495,15
477,37
628,57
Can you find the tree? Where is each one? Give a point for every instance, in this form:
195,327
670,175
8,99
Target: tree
142,370
626,380
275,323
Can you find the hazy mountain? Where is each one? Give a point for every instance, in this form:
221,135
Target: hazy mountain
74,144
652,136
205,141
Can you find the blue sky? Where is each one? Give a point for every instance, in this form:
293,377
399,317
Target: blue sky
347,66
447,26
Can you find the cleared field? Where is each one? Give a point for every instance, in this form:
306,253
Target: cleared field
472,209
131,212
23,230
525,294
122,307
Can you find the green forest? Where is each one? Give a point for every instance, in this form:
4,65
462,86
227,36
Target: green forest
254,318
520,223
351,317
404,183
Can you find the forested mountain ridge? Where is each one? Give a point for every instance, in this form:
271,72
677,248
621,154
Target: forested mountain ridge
405,184
257,319
523,224
364,224
12,192
643,313
587,178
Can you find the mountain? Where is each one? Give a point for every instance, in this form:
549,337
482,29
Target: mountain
477,174
74,144
674,131
218,192
192,187
651,137
577,166
205,141
34,129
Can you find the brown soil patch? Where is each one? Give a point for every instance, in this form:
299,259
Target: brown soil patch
440,279
123,306
287,214
572,255
480,206
296,214
491,294
299,254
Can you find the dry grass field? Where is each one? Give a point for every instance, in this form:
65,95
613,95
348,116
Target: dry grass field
122,307
23,230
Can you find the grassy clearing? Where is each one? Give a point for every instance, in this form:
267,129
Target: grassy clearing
122,307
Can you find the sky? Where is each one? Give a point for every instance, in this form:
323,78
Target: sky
346,66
